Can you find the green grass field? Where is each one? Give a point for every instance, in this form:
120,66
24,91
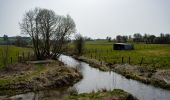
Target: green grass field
155,55
13,52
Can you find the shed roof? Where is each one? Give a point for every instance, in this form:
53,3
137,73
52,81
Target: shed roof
123,43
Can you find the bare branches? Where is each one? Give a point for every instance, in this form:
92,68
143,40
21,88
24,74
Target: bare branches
79,44
47,30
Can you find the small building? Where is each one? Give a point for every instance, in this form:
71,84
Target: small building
123,46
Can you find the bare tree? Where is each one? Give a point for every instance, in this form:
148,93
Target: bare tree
20,41
120,38
137,37
65,28
5,37
30,26
48,31
79,44
108,39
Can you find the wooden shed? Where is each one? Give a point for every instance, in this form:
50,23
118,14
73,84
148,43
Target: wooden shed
123,46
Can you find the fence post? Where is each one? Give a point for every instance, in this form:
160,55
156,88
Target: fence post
28,55
114,62
11,60
129,59
18,56
122,60
23,56
141,61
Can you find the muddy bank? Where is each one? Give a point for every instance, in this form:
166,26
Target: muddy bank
115,94
147,75
21,78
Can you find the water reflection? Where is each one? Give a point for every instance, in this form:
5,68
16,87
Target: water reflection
94,80
46,94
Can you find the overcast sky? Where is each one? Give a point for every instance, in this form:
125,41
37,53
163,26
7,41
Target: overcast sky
94,18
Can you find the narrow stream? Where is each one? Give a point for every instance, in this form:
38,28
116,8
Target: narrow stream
94,79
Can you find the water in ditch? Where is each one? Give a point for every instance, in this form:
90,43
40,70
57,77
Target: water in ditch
94,79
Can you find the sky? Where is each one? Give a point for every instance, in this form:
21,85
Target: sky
94,18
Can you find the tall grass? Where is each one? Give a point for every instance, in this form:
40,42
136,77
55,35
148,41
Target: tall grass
13,52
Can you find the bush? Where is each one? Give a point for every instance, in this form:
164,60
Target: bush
79,44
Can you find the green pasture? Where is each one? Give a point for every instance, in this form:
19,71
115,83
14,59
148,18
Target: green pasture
155,55
13,52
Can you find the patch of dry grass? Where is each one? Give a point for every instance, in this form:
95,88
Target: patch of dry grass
115,94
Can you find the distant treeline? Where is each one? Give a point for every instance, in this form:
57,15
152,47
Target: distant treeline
146,38
16,40
138,38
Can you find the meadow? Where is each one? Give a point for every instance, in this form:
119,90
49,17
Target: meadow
154,55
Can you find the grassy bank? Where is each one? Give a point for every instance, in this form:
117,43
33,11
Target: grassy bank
145,74
116,94
20,78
